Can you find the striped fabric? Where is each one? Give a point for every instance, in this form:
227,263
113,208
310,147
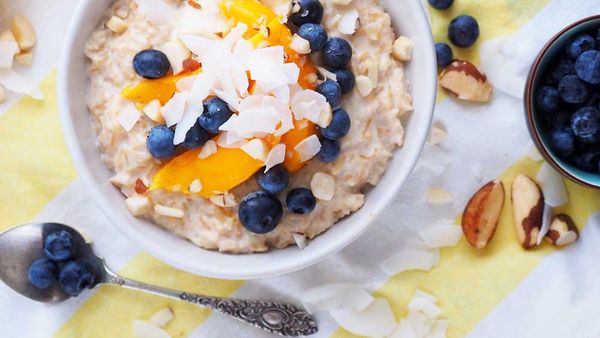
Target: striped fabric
501,292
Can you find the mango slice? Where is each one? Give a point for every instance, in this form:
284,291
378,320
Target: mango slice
218,173
162,89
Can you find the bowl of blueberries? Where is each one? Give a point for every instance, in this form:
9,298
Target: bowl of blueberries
562,101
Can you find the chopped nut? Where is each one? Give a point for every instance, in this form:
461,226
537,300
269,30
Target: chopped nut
138,204
7,35
169,212
325,117
117,25
402,49
140,187
162,317
226,200
209,148
300,45
300,240
562,231
152,110
364,85
122,13
348,23
464,80
24,32
190,65
439,196
257,149
177,53
481,215
528,207
323,186
195,186
25,59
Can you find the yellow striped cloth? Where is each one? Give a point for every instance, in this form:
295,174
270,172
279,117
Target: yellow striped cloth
35,166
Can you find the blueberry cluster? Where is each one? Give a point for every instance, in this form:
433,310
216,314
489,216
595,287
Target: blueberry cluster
570,102
61,264
160,139
463,31
260,212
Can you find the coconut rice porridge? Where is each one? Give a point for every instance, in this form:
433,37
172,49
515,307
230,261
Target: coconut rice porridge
246,125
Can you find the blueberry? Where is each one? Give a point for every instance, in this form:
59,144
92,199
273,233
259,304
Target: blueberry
585,124
558,119
587,66
76,276
339,126
196,137
59,246
573,90
441,4
301,201
42,273
315,34
332,92
463,31
216,112
274,180
160,142
330,150
151,64
260,212
587,159
443,54
547,100
562,142
580,44
337,53
309,11
346,80
563,68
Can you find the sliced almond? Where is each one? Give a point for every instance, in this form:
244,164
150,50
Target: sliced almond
24,32
528,209
466,81
481,215
562,231
364,85
323,186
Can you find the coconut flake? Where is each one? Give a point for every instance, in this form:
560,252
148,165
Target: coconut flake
434,159
8,50
420,323
553,186
348,22
403,330
176,52
424,304
275,157
439,196
128,116
189,17
326,74
300,240
188,120
197,44
334,296
144,329
441,235
308,148
376,320
17,83
162,317
202,87
209,148
546,221
257,149
253,122
439,328
173,110
414,256
157,11
308,104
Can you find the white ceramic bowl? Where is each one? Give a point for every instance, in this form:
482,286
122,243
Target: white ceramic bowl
409,19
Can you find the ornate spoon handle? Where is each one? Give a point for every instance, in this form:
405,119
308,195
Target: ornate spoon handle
279,318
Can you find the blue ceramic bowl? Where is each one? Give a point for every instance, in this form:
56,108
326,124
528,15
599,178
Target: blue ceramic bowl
535,120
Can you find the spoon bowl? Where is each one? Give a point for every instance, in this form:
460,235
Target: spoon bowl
22,245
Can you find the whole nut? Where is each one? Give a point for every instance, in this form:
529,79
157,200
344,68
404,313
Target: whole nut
482,213
528,209
562,231
466,81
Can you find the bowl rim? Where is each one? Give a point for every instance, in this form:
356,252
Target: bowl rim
385,198
528,103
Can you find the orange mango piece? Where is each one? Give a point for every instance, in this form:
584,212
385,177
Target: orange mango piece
218,173
162,89
302,130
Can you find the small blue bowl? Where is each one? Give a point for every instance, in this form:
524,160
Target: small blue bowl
535,120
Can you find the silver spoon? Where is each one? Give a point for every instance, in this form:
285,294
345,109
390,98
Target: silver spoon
20,246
